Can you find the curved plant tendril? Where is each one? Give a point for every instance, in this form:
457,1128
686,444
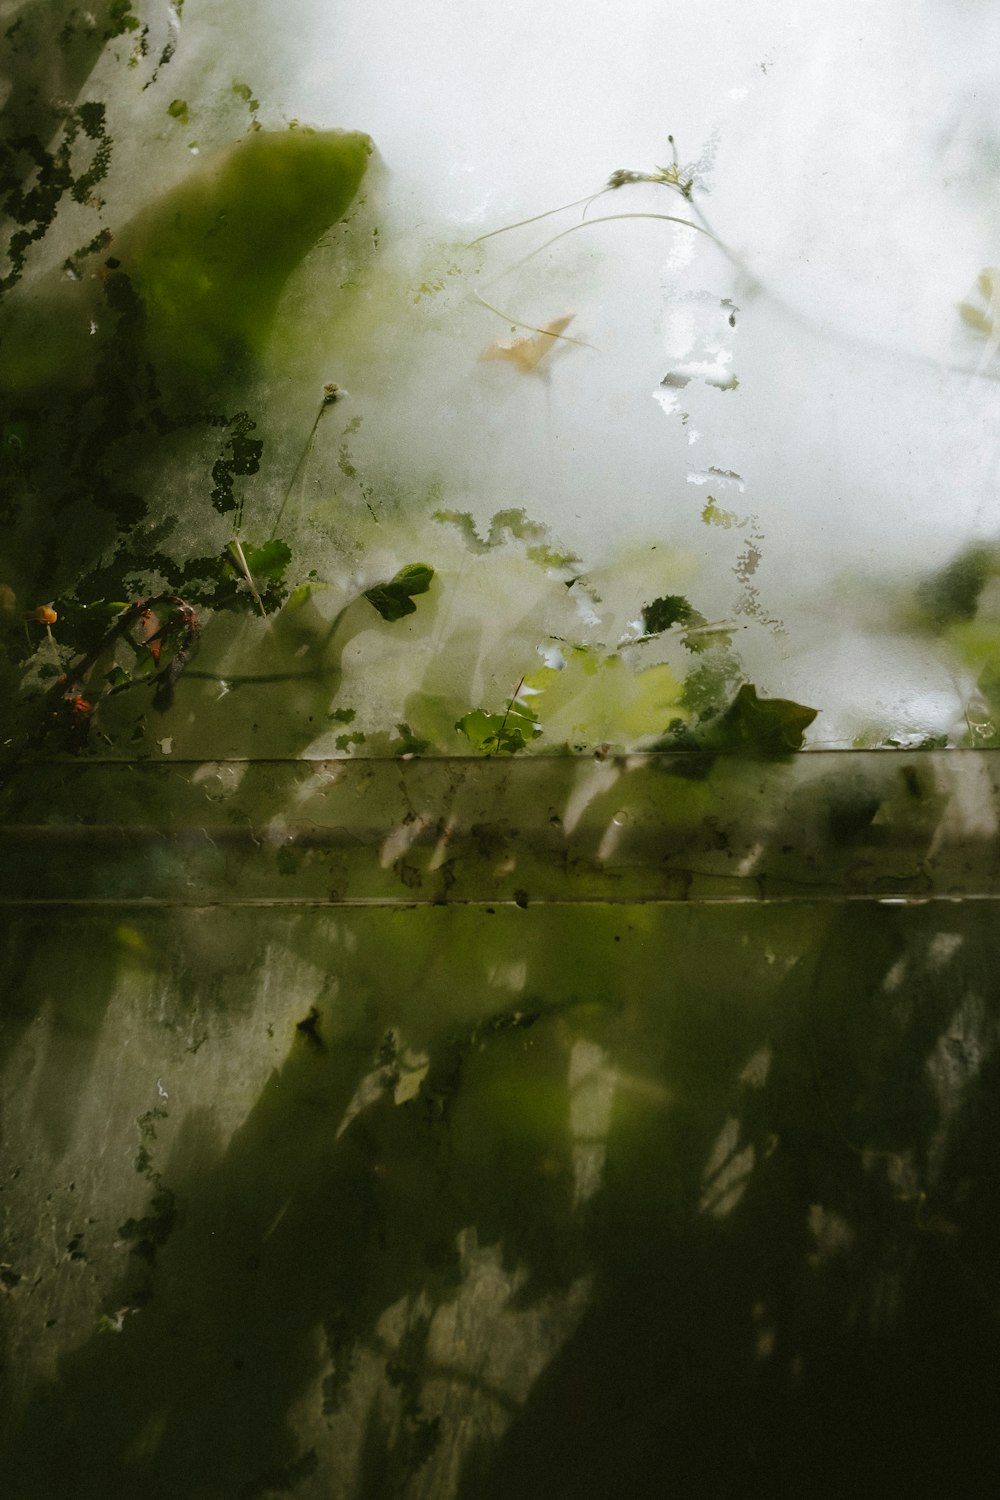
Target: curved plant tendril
535,218
682,182
611,218
671,177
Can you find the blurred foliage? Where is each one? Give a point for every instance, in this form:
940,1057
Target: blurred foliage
394,599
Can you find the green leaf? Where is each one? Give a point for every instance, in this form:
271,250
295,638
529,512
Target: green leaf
499,734
269,561
208,299
590,700
953,593
394,599
760,726
672,609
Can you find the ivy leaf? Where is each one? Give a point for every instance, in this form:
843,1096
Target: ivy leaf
394,599
761,726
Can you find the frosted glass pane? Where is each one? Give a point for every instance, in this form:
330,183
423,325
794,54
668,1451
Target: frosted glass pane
721,423
454,456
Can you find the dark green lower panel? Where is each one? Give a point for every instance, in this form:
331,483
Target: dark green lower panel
593,1201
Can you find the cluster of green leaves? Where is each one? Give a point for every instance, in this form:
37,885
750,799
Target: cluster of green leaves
177,313
743,723
696,632
183,307
215,582
499,734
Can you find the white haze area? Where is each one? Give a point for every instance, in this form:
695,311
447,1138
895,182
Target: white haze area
849,159
822,386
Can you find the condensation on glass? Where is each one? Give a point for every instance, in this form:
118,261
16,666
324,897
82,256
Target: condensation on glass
499,601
